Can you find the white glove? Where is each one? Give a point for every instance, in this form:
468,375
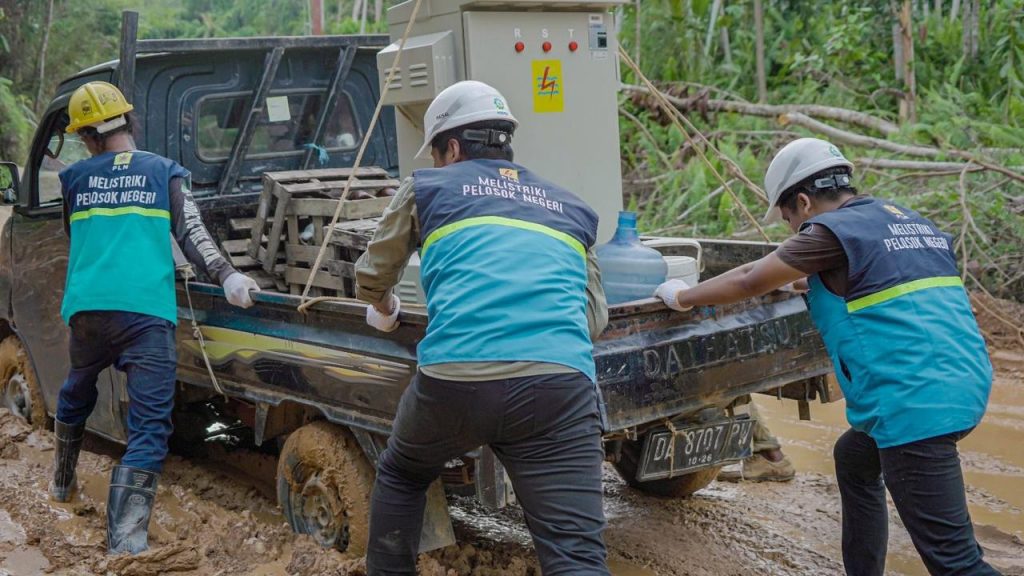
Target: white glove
669,291
380,321
237,287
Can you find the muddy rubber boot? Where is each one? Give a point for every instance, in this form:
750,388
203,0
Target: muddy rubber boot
67,440
129,506
758,468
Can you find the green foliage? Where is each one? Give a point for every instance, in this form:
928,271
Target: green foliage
16,124
835,54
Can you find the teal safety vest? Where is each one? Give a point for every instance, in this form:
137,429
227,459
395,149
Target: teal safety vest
120,218
503,266
905,345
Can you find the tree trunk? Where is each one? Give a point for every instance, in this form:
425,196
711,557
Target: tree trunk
715,8
378,10
355,8
762,84
976,29
908,108
897,50
954,12
723,39
938,8
41,73
637,34
316,17
362,16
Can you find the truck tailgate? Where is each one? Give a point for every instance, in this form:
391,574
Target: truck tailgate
654,363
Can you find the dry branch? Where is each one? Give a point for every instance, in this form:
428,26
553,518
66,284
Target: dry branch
939,168
702,102
845,137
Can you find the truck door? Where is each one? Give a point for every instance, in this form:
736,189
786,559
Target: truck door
39,260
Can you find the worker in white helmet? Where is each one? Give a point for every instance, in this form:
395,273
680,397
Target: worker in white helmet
886,295
514,298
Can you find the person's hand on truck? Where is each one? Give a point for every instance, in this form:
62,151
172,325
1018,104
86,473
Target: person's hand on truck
384,315
237,287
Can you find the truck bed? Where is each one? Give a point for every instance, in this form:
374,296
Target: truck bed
652,363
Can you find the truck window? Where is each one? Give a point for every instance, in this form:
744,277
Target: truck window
286,124
67,154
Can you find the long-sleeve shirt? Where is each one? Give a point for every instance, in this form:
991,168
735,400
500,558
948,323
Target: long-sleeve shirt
380,268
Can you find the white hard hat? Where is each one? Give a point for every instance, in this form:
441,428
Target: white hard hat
460,104
795,162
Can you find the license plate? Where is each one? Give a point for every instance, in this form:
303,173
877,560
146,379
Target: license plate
667,455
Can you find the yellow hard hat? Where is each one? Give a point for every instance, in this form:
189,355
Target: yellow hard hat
95,104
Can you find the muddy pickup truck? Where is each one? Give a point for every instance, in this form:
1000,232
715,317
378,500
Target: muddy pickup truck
319,389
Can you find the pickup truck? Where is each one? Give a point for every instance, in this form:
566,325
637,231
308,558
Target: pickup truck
319,388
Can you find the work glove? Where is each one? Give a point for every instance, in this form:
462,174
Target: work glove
384,323
237,287
669,290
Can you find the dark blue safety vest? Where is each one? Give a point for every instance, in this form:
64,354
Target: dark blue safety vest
503,266
904,342
120,219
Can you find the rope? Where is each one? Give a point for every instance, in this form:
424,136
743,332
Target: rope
675,114
187,273
355,166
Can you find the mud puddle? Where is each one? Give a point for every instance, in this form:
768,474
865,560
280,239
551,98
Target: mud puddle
992,457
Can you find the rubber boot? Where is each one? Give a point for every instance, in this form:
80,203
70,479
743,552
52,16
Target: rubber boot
67,444
129,505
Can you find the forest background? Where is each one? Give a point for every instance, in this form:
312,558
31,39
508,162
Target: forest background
925,96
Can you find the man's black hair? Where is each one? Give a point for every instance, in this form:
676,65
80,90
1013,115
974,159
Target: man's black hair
817,187
483,142
101,139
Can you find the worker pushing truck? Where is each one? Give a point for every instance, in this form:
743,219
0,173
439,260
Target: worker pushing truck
236,112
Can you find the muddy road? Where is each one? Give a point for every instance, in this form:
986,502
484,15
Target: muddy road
213,520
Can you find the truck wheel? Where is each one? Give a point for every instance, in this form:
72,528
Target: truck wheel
323,486
678,487
21,393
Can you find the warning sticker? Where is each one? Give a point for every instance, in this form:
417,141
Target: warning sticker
548,89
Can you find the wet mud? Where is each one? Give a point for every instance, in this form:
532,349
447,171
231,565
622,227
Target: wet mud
218,516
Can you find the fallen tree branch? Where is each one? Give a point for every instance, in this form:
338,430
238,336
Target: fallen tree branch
678,118
702,102
838,135
925,167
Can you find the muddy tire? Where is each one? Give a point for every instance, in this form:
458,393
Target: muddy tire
323,486
20,390
678,487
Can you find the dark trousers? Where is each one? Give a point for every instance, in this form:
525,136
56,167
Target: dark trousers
546,432
141,346
927,487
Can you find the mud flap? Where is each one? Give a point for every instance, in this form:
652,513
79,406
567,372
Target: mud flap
437,524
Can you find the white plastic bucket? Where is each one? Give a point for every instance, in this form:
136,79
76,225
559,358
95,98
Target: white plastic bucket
686,268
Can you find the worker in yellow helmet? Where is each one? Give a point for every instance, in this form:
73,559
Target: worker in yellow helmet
122,208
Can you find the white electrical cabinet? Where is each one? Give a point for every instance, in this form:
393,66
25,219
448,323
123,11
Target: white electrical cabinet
556,63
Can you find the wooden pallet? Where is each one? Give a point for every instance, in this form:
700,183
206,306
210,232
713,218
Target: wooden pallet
240,259
292,197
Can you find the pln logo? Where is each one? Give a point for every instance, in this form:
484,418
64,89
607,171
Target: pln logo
896,212
509,174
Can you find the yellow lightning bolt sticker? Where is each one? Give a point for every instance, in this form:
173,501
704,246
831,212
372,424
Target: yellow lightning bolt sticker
548,86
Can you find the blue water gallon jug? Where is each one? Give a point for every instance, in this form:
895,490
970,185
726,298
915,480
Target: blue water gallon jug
629,270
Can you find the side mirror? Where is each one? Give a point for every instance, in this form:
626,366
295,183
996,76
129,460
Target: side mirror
9,183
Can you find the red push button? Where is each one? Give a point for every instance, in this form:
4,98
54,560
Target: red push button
520,46
546,46
573,46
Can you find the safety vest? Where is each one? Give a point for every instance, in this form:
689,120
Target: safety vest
120,217
904,342
503,265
